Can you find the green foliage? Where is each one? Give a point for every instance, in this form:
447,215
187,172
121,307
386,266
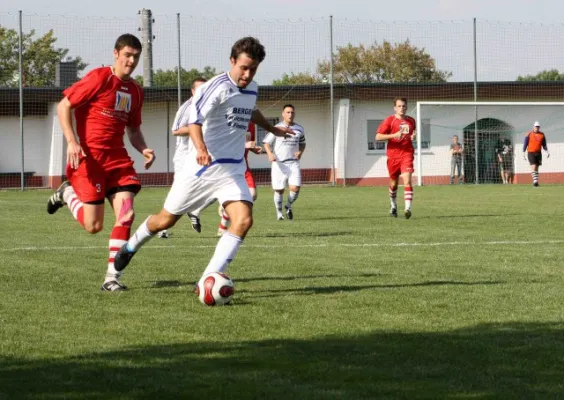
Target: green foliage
40,57
301,78
377,63
169,77
546,75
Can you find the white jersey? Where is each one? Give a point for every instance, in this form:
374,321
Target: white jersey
183,143
285,148
224,111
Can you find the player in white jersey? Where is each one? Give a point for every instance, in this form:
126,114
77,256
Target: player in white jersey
215,167
180,130
285,153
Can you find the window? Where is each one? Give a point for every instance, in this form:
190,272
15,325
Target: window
380,145
261,133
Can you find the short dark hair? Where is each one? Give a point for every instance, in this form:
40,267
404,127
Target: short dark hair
400,99
127,39
251,47
288,105
198,79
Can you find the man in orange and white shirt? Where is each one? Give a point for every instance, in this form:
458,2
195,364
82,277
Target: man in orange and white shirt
535,140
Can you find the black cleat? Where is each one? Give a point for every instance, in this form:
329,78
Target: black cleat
407,214
122,258
289,212
56,200
113,286
535,184
195,220
394,212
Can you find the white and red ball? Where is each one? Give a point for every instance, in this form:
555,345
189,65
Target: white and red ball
215,289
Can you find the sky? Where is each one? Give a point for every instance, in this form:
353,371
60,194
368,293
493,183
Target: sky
514,37
404,10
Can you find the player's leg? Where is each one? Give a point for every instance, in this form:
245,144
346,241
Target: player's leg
294,185
406,172
237,201
185,195
394,173
453,164
279,180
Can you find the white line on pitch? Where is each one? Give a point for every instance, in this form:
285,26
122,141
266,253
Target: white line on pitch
435,244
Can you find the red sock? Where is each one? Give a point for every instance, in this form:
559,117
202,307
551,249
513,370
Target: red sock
118,237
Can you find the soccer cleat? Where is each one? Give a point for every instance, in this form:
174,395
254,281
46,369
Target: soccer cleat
163,234
407,214
195,220
122,258
535,184
289,212
56,200
279,217
221,231
394,212
113,286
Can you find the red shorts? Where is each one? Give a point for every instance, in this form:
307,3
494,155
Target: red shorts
398,166
100,172
250,179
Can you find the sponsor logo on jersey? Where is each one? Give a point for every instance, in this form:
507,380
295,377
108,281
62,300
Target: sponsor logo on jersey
123,101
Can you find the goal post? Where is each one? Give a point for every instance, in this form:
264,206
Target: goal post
482,127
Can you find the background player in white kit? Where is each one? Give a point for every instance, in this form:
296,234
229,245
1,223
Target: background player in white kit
180,130
285,153
219,116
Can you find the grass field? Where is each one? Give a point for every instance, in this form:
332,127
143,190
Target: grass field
464,300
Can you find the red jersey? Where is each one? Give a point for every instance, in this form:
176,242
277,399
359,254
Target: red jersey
251,130
398,147
103,106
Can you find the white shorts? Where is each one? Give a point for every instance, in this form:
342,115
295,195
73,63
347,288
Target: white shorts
283,173
189,194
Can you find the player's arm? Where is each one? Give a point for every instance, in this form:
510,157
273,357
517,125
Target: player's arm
259,120
74,150
301,148
267,143
544,146
182,131
386,127
137,140
197,137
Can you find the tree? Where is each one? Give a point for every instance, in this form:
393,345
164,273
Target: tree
385,63
169,77
40,58
546,75
301,78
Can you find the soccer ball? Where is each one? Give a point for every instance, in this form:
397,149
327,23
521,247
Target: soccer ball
215,289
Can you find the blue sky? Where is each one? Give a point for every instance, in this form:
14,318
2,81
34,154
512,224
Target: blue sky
514,38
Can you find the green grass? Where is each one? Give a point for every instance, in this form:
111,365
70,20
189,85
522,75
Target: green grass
464,300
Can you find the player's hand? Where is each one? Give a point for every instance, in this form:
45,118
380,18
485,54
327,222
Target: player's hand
283,131
397,135
203,157
257,150
74,151
251,144
149,155
272,157
414,136
298,155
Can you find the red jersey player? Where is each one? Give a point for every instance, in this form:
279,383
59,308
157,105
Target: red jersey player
399,130
250,145
107,102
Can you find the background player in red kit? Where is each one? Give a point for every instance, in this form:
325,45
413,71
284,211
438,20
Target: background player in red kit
399,130
107,102
250,145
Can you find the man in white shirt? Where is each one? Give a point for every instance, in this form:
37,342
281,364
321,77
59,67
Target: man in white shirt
219,117
285,153
180,130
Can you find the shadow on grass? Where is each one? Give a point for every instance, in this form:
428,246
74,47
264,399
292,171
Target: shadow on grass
514,360
312,290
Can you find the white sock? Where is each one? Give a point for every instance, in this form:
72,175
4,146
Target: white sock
291,198
225,252
278,198
140,237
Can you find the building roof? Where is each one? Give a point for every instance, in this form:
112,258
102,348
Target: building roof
37,98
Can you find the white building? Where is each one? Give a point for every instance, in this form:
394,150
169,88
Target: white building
349,154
